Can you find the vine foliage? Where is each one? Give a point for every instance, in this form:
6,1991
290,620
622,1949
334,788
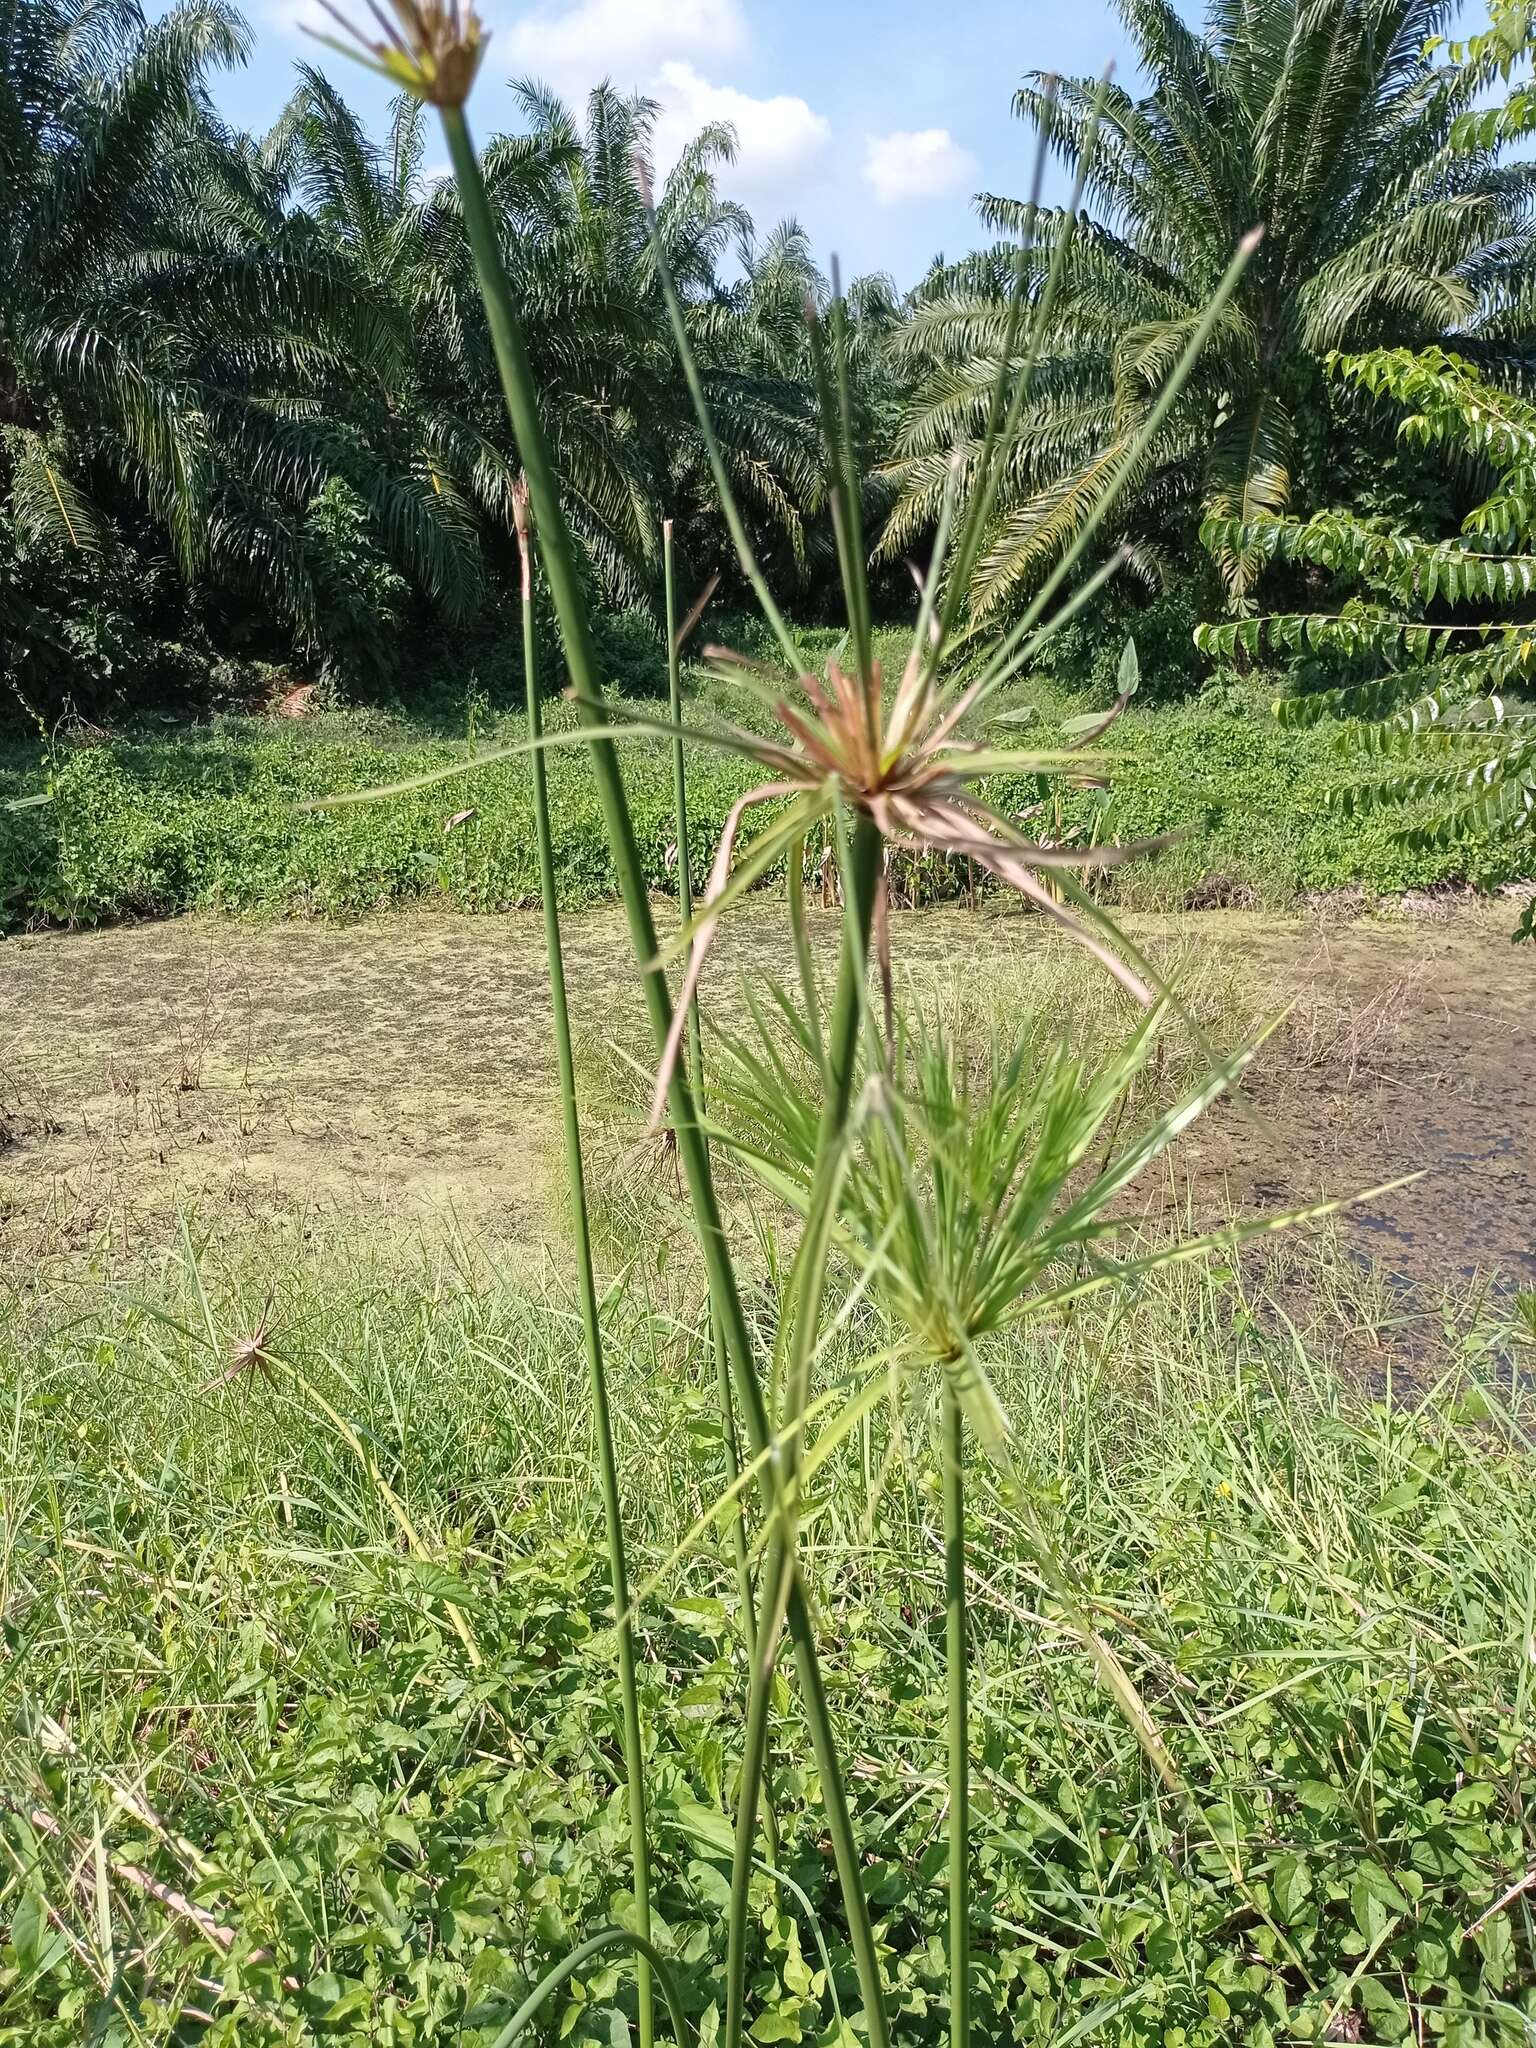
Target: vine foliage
1442,726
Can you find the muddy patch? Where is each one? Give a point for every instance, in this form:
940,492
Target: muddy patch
1410,1049
404,1066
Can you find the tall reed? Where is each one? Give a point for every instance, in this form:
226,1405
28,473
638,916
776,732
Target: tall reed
957,1661
779,1580
586,1284
565,583
732,1452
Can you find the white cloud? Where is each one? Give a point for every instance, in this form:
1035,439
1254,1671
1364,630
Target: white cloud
915,163
573,46
300,17
655,47
780,140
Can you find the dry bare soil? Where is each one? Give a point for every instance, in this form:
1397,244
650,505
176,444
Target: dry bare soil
403,1065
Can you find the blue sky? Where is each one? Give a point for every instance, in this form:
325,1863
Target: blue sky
872,121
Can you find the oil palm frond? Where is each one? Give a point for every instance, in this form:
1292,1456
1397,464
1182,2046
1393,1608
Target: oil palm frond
1388,221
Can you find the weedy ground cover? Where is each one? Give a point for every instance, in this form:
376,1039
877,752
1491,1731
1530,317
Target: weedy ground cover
260,1785
201,818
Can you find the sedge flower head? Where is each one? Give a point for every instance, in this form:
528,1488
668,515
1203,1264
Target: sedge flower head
428,48
845,741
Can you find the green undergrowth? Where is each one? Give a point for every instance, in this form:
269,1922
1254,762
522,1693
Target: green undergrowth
158,822
311,1732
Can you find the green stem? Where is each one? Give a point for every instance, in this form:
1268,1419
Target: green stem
860,885
634,1754
733,1481
610,1937
804,965
581,660
696,1065
780,1582
957,1661
679,765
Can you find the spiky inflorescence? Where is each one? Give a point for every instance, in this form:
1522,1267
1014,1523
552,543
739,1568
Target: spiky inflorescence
429,48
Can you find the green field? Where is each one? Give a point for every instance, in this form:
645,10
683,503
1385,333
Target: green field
309,1674
203,817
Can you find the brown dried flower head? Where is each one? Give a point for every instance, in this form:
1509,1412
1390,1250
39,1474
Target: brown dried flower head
429,48
898,756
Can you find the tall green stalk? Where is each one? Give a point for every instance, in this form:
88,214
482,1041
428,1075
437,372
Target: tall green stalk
618,1575
780,1583
679,775
565,586
696,1065
957,1673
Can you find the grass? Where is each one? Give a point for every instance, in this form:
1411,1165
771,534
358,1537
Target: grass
258,1789
156,822
315,1731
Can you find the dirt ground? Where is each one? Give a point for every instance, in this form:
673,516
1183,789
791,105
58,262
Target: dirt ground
404,1065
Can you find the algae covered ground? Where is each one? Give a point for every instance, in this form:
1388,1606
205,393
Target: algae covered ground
406,1062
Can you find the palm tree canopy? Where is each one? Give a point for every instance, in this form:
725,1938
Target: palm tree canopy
170,334
621,424
273,351
1323,120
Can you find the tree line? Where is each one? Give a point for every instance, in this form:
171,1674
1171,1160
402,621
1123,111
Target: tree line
248,406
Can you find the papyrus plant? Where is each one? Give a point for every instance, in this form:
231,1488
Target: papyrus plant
872,758
882,764
981,1189
433,51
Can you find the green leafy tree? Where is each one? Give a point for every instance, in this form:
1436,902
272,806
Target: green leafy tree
575,244
1329,125
1492,58
1434,722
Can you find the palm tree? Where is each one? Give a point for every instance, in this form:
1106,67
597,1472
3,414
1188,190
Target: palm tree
575,245
621,421
367,209
1325,121
272,352
170,341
